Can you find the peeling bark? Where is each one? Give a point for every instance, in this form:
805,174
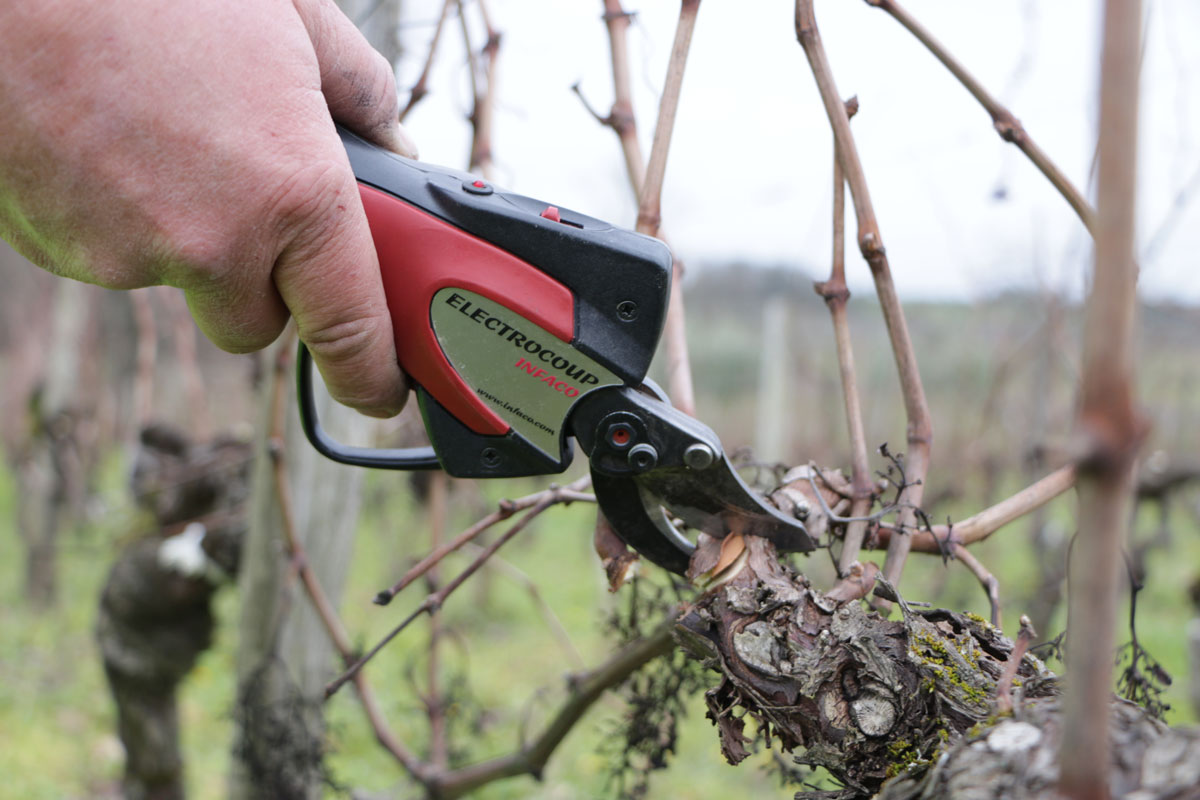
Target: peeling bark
847,690
843,688
900,709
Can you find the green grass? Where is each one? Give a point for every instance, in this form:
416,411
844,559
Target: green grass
53,705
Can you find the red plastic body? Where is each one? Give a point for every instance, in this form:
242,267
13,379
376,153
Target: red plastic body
419,255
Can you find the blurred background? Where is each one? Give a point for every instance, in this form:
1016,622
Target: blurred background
990,261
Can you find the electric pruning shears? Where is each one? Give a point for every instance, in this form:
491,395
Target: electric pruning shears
522,325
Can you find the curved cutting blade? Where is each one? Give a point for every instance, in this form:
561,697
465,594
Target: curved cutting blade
717,501
641,525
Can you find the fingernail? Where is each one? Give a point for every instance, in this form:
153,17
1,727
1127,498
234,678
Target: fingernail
404,144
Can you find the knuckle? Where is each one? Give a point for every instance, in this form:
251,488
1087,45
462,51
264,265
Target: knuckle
215,244
198,257
224,260
107,268
311,193
343,339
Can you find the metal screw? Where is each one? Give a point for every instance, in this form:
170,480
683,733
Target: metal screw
627,310
490,456
698,456
643,457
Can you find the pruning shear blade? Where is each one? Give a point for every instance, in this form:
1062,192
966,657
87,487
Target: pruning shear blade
649,459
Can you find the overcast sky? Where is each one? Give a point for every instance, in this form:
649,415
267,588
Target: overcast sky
961,212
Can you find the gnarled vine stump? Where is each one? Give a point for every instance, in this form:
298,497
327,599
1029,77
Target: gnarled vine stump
862,696
905,707
155,615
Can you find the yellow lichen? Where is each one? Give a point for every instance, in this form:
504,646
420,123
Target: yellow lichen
937,658
905,756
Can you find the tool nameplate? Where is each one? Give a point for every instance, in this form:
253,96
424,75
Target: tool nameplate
526,374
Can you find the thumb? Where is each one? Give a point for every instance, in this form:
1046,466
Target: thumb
328,276
358,83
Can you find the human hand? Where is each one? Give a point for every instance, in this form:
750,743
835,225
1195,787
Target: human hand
193,144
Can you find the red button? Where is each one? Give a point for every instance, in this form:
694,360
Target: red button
551,213
479,184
